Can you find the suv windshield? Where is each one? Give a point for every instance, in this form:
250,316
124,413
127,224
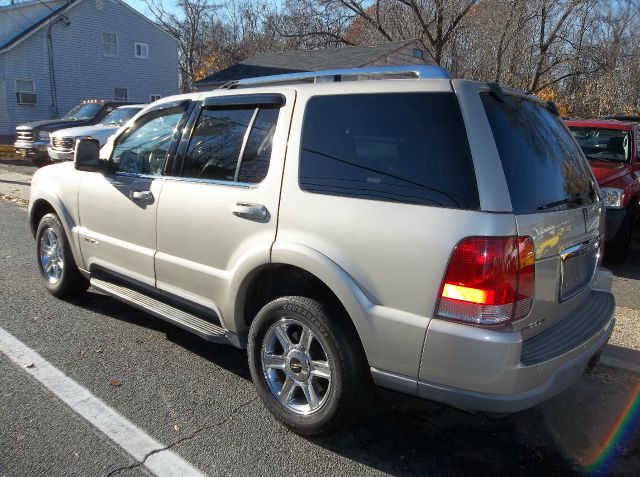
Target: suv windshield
119,116
543,165
83,111
603,144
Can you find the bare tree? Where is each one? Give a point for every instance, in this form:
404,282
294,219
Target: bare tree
193,23
548,34
433,21
585,54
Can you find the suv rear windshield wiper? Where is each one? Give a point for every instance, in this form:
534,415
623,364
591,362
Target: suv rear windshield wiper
574,199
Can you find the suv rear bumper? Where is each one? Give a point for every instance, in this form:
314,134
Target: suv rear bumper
565,375
491,371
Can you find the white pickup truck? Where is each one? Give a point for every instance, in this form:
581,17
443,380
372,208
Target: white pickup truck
62,142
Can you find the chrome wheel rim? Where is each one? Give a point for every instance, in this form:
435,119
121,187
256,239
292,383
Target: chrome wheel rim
51,256
296,366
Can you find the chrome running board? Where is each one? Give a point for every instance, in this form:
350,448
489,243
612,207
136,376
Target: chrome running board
203,328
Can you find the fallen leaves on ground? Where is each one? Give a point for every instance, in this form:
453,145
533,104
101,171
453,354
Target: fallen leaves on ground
15,200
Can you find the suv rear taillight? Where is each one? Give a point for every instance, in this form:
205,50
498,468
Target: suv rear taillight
489,281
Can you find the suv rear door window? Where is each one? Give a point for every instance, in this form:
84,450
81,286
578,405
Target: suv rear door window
220,139
216,143
400,147
544,167
257,153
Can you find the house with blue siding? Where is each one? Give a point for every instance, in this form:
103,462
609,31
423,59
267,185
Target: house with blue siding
54,54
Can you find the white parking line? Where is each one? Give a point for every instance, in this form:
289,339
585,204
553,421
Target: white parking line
133,440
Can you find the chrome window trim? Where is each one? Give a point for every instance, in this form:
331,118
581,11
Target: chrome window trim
140,176
243,185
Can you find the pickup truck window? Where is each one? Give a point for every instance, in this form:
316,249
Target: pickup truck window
143,149
84,111
603,144
119,116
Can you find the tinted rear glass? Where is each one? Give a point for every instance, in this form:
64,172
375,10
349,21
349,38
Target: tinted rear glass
544,167
402,147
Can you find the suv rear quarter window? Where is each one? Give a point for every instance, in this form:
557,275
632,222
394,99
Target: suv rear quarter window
399,147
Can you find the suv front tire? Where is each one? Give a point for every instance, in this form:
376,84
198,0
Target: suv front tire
58,270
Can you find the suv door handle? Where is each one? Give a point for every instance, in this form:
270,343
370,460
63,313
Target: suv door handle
249,211
141,195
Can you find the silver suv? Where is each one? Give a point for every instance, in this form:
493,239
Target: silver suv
434,236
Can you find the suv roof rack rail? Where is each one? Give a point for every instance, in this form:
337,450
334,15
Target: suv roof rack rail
330,76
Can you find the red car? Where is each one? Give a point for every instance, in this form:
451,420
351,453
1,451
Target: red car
612,150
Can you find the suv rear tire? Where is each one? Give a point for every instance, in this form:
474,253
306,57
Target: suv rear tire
58,270
308,366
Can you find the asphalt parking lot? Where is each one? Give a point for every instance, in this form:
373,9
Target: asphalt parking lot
196,403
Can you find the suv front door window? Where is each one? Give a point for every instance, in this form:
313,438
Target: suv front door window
144,148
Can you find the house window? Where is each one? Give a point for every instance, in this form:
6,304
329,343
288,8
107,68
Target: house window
141,50
109,44
154,97
26,92
417,53
121,94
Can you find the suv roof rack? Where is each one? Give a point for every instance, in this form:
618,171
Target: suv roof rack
350,74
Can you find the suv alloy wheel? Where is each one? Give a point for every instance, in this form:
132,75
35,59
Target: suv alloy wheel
307,366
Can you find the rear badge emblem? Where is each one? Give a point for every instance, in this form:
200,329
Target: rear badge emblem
535,324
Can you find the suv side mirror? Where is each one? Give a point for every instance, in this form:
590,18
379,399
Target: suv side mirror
87,156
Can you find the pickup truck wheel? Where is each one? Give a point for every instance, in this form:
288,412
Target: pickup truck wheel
617,249
308,367
58,269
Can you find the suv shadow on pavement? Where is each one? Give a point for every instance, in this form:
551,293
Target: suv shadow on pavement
627,355
230,358
405,436
409,436
631,267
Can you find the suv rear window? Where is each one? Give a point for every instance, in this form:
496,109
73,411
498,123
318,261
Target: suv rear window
544,167
400,147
